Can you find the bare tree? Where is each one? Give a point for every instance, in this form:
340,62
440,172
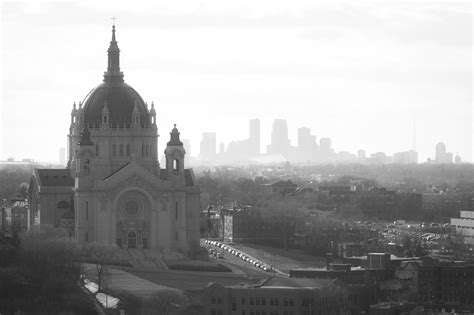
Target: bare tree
100,255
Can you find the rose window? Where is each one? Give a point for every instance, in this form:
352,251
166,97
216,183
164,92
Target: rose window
131,207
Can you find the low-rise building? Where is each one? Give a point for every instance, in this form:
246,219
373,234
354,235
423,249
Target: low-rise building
446,285
281,187
464,227
283,296
337,193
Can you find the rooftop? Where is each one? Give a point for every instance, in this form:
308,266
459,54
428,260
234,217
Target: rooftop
55,177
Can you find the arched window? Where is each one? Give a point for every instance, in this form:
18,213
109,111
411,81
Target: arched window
176,165
128,150
114,149
105,119
146,149
97,150
121,149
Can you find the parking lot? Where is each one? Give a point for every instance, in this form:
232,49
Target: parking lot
220,250
282,259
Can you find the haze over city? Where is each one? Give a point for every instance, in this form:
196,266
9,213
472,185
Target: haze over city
253,158
360,74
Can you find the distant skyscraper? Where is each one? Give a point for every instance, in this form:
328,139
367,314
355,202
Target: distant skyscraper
208,146
280,143
441,156
325,144
440,151
62,156
254,137
304,139
326,152
222,148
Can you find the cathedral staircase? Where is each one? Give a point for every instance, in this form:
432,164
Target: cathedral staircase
141,258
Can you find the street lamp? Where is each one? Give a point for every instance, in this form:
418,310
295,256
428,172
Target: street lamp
274,254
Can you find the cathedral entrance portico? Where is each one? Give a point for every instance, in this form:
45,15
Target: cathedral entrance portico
128,235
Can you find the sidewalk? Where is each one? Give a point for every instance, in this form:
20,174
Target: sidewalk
122,281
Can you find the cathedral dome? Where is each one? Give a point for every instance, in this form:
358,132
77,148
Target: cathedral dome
121,99
114,95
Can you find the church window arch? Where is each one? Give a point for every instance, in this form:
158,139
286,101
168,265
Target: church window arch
97,149
121,149
128,149
147,147
114,149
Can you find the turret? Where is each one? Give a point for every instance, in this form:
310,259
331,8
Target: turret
135,123
73,113
152,115
84,158
174,154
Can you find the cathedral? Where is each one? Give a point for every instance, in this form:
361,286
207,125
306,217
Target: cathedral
113,190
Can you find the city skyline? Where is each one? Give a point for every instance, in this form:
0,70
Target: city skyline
345,78
264,147
308,149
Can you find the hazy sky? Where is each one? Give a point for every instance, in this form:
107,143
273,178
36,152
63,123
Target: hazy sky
360,73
